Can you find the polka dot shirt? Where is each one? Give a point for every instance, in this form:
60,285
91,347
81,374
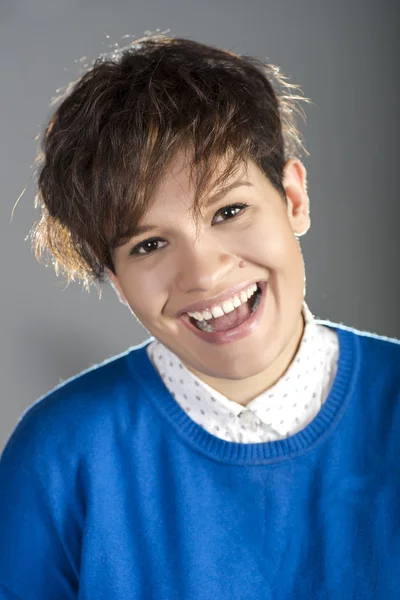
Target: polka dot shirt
282,410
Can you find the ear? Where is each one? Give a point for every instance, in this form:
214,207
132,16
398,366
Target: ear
298,204
115,284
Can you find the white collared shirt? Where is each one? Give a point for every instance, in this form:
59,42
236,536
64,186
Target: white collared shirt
282,410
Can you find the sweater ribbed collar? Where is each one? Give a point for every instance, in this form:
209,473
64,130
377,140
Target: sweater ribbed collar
227,452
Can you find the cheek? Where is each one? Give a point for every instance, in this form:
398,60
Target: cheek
134,291
145,295
271,245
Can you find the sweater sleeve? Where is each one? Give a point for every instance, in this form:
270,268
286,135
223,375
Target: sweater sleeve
38,525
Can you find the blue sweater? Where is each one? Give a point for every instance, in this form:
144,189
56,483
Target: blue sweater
109,491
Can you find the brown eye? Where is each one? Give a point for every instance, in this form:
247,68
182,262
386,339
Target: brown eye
148,246
231,211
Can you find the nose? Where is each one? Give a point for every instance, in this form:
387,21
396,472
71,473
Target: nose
202,269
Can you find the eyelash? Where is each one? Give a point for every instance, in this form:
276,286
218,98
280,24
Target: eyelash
135,249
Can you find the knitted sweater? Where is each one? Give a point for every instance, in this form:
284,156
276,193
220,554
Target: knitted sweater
109,491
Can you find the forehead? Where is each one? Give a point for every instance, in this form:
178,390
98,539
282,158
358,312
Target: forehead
178,182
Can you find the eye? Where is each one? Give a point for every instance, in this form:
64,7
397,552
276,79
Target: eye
231,207
147,247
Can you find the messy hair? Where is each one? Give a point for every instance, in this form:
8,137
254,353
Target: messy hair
120,124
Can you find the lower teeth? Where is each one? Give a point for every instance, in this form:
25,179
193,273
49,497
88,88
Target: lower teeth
205,325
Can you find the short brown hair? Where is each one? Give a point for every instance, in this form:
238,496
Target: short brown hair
120,124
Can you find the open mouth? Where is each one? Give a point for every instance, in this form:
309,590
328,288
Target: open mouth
232,319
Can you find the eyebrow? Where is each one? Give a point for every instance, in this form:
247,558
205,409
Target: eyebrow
141,229
225,190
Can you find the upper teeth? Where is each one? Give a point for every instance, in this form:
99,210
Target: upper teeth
225,307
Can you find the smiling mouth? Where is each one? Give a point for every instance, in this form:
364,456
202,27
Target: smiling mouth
232,319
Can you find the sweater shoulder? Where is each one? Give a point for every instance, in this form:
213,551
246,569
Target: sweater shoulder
369,341
375,347
381,361
377,356
77,410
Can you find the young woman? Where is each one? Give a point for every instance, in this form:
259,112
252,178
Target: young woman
246,450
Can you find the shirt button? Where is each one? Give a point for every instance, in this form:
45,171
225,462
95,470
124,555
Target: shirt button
248,418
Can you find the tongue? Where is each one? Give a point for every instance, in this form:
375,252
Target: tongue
232,319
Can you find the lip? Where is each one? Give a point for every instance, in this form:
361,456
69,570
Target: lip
232,335
208,304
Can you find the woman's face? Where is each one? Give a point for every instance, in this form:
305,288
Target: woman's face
183,265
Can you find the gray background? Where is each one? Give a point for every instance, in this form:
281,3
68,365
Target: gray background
344,55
